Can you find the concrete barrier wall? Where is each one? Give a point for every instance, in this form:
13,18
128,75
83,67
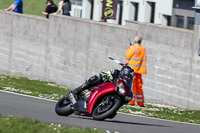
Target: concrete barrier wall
68,50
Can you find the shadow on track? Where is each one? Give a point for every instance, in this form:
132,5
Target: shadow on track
120,122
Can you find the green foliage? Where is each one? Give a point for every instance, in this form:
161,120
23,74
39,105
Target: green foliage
35,7
9,124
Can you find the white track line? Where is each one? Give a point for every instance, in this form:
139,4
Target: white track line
14,93
117,112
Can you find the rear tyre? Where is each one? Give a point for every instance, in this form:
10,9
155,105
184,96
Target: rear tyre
106,107
63,107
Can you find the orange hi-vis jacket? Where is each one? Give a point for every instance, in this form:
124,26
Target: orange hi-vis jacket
136,57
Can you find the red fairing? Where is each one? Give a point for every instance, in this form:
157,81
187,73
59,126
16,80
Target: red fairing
99,91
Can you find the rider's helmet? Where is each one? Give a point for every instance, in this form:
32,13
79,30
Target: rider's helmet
127,71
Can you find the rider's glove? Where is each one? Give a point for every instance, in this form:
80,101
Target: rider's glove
106,76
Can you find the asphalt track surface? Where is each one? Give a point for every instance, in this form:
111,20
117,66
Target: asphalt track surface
43,110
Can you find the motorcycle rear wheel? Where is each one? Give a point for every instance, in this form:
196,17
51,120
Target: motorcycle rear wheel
63,107
106,109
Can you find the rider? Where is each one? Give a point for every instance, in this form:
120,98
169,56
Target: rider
109,76
103,77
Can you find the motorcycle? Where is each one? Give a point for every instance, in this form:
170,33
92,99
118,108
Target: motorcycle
99,102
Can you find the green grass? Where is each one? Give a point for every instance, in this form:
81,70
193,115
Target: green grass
34,7
10,124
32,87
164,112
54,91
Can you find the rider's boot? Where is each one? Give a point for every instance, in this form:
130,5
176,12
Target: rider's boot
75,92
88,83
78,90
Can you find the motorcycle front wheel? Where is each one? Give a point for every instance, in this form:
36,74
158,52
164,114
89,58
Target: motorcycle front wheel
106,107
63,107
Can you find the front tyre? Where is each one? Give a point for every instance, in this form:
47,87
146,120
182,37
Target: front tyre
106,107
113,115
63,107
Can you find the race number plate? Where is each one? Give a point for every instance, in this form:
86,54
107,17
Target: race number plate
72,99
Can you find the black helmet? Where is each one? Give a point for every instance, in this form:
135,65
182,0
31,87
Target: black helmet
127,71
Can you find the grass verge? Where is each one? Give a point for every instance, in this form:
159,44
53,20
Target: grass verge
32,87
53,91
164,112
10,124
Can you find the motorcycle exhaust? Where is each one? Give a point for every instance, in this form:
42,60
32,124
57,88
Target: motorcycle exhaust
72,98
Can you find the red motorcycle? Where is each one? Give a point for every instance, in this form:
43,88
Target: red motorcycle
101,101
